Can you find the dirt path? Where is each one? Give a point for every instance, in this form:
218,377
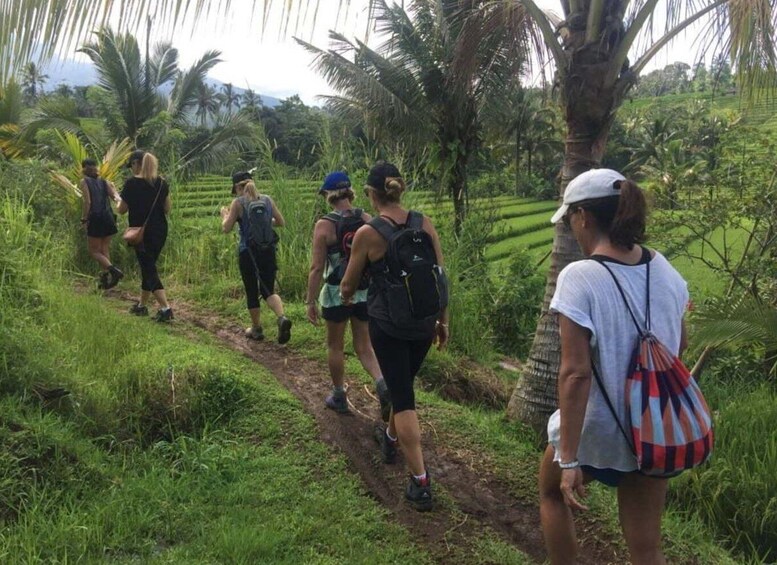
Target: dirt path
473,499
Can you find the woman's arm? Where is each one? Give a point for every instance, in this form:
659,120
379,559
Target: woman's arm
122,207
277,217
574,385
317,265
86,201
229,216
683,338
168,204
112,192
356,263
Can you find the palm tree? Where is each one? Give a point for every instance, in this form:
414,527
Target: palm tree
33,80
592,49
133,82
252,102
229,97
207,103
440,66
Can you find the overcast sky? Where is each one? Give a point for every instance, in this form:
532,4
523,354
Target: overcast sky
271,62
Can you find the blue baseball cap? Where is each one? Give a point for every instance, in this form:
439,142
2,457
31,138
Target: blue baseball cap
337,180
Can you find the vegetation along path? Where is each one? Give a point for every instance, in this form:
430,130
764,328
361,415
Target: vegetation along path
471,500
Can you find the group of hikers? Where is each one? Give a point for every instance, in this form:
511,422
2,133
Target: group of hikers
620,316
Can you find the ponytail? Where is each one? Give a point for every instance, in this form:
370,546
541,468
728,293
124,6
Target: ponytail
249,189
149,168
628,224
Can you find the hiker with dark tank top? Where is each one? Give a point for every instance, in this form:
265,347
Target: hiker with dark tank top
146,200
407,307
601,302
332,239
256,215
99,221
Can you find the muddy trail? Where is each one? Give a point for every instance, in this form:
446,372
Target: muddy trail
473,498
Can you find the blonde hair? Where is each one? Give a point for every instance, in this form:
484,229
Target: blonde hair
149,168
249,189
391,192
333,196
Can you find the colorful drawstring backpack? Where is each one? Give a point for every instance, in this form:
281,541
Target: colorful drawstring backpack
671,426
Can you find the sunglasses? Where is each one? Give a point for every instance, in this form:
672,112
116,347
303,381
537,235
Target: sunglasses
567,218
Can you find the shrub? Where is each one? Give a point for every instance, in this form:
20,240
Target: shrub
492,183
516,304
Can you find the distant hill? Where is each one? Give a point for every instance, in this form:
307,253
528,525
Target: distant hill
80,73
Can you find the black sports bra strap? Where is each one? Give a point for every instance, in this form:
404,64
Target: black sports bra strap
623,295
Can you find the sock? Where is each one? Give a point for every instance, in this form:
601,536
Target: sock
421,479
388,435
165,309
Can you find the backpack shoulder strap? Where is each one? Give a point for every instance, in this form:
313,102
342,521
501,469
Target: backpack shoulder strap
333,217
384,228
640,331
357,212
611,407
415,220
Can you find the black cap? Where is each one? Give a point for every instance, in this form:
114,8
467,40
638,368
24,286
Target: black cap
136,155
240,177
88,163
380,172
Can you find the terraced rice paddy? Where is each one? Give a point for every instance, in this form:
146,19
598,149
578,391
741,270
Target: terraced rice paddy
519,222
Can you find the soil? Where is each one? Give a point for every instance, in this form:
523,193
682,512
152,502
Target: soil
473,500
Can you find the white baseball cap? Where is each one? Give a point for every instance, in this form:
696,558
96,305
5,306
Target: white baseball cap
596,183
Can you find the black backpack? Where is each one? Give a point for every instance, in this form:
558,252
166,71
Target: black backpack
414,285
345,230
259,229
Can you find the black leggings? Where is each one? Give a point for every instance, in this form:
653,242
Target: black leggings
147,255
399,361
258,274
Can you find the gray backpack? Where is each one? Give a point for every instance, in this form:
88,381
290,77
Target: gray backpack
259,230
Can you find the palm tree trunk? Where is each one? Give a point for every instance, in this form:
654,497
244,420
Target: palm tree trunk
517,161
457,188
589,108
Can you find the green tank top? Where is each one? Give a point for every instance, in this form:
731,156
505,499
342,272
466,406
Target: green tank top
330,293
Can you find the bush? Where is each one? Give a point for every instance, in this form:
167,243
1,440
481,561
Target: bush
516,304
492,183
533,186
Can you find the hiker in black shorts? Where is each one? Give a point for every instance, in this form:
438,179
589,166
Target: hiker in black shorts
332,237
256,214
146,197
401,330
98,219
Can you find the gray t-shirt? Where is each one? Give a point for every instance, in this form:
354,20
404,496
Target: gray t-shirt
587,295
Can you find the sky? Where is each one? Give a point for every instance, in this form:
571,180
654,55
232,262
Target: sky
272,63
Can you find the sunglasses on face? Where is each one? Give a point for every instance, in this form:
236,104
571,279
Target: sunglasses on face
567,218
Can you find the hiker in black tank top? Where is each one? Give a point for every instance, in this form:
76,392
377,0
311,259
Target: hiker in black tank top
146,198
400,353
99,221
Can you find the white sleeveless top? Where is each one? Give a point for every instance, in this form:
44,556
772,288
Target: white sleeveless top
587,295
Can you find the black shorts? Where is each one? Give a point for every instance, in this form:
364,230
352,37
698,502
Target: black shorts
343,313
101,226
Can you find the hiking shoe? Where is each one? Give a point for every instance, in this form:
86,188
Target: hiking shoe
164,315
388,448
138,309
284,330
255,333
103,283
112,277
385,399
337,402
420,494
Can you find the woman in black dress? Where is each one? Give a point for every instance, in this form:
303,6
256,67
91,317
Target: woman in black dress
146,196
99,221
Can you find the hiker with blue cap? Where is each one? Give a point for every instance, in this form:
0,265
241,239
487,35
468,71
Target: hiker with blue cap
332,237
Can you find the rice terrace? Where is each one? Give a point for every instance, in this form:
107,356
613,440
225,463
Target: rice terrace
456,282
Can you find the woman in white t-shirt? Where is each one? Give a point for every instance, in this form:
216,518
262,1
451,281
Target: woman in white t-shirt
606,213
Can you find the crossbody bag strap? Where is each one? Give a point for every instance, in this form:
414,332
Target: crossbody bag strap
151,210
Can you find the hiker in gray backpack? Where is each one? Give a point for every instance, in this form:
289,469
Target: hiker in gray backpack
407,302
332,238
99,221
256,214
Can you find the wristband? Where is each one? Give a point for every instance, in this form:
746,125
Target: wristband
439,323
571,465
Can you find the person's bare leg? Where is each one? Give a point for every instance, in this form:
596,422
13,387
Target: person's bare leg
256,320
363,348
335,336
408,431
161,298
275,304
95,247
558,526
641,503
105,244
145,295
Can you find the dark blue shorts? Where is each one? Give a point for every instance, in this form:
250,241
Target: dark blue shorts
609,477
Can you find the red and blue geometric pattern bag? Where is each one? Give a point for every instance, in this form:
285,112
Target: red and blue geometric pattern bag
671,425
